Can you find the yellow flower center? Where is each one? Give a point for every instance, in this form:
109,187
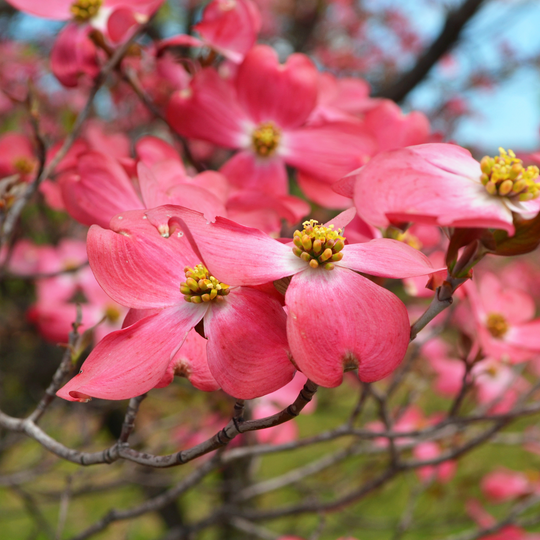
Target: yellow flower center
201,287
83,10
318,245
23,165
505,175
113,314
265,139
496,325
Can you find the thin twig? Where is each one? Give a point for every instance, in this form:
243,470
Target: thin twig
65,367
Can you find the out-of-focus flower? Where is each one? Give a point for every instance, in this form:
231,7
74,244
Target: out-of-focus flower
17,156
503,319
267,123
74,54
504,485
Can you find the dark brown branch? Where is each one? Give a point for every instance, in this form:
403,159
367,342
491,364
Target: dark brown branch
154,504
455,22
129,420
121,450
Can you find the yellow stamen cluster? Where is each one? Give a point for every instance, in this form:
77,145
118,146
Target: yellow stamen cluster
505,175
201,287
83,10
318,245
23,165
265,139
496,325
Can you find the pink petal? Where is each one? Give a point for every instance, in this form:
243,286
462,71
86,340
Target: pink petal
182,40
160,192
74,54
247,344
196,198
130,362
121,23
135,315
52,9
214,182
152,150
437,183
144,7
191,362
291,97
328,152
339,320
341,99
393,129
345,186
247,171
135,265
209,110
342,219
321,192
230,28
115,145
263,211
525,336
99,191
515,305
170,172
386,258
234,254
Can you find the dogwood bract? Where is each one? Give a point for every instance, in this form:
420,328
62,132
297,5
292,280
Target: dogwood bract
247,347
442,184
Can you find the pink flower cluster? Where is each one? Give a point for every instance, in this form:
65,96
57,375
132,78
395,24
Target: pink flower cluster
217,286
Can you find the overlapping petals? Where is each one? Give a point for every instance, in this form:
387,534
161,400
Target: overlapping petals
430,183
142,267
337,319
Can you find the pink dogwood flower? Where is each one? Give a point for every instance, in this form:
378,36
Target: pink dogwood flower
442,184
140,268
503,319
504,485
337,320
267,123
17,156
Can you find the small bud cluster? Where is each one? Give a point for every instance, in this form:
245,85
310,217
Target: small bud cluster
318,245
201,287
496,325
83,10
265,139
504,175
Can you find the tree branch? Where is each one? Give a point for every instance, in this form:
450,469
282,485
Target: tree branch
455,22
